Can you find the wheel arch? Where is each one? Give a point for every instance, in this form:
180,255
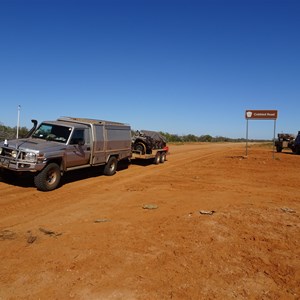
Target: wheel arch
59,161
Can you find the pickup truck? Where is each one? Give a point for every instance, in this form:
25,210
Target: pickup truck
56,147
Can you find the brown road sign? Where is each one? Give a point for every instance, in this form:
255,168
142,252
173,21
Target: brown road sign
261,114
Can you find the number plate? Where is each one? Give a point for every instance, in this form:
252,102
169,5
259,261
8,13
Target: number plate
4,162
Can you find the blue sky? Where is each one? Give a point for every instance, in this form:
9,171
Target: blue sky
175,66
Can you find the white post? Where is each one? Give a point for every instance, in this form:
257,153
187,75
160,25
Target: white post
247,137
18,123
274,138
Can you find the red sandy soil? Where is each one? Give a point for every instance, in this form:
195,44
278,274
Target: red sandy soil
92,239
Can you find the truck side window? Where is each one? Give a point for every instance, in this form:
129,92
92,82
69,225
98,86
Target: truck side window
77,137
87,136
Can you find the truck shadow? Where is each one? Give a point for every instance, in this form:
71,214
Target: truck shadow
142,162
21,180
86,173
26,180
82,174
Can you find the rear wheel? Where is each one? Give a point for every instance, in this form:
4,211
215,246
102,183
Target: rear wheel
48,179
162,157
111,166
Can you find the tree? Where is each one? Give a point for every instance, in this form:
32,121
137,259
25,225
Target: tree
205,138
9,133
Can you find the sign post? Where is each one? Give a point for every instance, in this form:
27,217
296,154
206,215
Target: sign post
261,115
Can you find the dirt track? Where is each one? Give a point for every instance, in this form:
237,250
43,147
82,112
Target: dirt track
92,239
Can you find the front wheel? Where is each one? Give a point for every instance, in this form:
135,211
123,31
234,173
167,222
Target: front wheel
48,179
111,166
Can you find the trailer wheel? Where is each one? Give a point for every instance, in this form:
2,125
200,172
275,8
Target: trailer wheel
162,157
156,159
48,179
111,166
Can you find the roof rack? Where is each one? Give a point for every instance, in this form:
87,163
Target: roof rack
88,121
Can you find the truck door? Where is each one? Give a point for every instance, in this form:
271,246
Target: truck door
79,148
99,155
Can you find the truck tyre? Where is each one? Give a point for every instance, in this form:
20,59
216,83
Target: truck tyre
48,179
162,157
278,148
156,159
111,166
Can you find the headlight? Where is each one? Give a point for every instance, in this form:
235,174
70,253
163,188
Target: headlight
14,154
1,149
30,156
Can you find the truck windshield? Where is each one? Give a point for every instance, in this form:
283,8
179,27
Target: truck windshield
52,132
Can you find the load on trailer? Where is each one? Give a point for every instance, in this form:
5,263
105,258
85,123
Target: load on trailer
56,147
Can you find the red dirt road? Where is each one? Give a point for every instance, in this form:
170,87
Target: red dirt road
92,238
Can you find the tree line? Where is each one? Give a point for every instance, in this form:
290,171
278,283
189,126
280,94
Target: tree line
7,132
175,138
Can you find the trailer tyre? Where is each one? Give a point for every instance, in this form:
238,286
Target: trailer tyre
111,166
48,179
156,159
162,157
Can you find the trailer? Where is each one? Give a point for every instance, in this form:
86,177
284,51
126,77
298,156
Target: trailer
157,156
149,145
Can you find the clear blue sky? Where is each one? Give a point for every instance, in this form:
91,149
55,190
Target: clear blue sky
177,66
